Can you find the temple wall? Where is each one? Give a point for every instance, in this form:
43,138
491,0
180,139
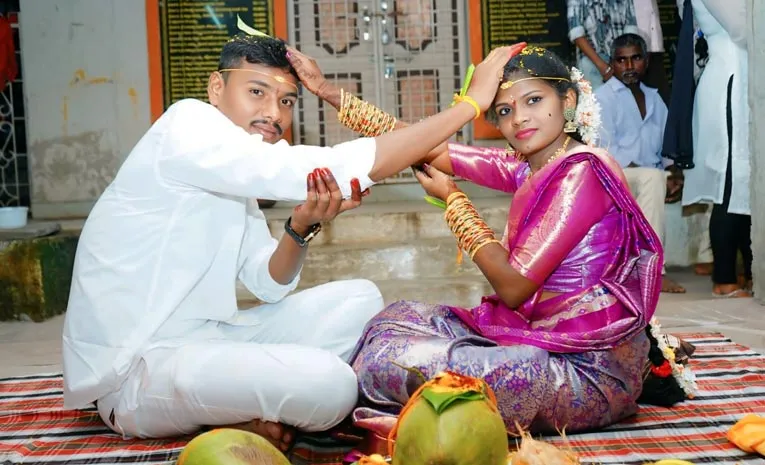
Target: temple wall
87,97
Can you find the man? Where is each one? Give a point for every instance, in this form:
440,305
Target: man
153,335
633,118
592,26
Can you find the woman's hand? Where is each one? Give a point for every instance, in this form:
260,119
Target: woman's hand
436,183
324,200
308,71
488,74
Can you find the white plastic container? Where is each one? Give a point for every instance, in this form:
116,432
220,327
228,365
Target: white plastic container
13,217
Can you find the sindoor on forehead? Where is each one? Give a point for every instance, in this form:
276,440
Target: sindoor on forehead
405,56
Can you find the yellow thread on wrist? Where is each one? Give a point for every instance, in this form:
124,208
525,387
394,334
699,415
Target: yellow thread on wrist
468,99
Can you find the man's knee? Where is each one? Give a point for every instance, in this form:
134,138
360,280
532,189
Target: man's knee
361,294
369,293
330,397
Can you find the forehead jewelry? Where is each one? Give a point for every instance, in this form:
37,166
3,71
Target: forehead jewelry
508,84
278,79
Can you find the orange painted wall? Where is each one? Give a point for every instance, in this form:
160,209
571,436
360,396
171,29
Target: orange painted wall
482,128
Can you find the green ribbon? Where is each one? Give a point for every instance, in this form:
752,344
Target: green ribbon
249,30
468,78
437,202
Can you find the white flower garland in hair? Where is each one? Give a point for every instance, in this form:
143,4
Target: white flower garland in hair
682,374
587,109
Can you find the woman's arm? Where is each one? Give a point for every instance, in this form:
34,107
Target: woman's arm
571,203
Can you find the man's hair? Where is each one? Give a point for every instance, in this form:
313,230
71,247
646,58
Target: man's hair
264,51
629,40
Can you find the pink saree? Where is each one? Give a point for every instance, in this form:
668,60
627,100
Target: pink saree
573,361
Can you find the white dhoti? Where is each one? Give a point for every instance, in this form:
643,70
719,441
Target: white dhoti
284,362
649,187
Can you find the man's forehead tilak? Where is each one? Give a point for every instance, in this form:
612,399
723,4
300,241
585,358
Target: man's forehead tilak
277,78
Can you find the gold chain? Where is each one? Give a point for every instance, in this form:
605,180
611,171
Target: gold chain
557,153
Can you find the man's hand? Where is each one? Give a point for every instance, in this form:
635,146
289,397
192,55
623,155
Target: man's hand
324,201
675,183
606,72
436,183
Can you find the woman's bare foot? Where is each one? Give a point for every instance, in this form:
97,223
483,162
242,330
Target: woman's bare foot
671,287
277,434
730,291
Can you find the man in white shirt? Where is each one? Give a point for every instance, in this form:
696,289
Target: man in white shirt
153,334
633,119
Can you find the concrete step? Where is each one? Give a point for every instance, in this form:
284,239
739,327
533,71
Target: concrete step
463,291
418,260
377,223
395,222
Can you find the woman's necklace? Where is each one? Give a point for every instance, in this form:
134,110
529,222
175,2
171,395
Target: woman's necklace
557,153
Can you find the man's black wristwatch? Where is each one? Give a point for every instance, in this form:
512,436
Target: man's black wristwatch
302,241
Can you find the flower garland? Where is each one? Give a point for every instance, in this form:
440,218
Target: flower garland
682,374
587,109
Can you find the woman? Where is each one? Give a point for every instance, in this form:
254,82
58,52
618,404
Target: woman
563,341
721,143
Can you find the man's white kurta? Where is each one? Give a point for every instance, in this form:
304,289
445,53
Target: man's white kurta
160,253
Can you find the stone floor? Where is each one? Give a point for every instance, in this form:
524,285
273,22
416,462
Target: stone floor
28,348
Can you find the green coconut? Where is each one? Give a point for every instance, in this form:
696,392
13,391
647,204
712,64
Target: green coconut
230,447
451,428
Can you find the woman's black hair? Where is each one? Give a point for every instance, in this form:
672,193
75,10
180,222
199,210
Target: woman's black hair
542,63
702,52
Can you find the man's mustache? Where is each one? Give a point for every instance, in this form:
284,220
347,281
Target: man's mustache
630,74
275,125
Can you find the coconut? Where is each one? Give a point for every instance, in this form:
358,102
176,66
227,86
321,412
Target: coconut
230,447
452,420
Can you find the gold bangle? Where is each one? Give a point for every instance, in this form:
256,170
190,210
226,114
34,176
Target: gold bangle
480,246
455,195
468,99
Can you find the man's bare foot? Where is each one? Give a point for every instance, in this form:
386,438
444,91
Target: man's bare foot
730,291
703,269
671,287
277,434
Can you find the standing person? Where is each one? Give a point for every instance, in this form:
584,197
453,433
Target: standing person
649,27
721,143
592,27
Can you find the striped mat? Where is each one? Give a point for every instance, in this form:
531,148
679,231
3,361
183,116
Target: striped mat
35,430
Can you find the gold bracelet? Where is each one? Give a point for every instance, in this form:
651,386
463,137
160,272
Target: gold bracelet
466,224
480,246
455,195
363,117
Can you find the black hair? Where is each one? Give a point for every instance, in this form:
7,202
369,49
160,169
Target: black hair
701,49
629,40
542,63
664,392
265,51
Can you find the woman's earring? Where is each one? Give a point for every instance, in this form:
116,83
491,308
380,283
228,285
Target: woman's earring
570,115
